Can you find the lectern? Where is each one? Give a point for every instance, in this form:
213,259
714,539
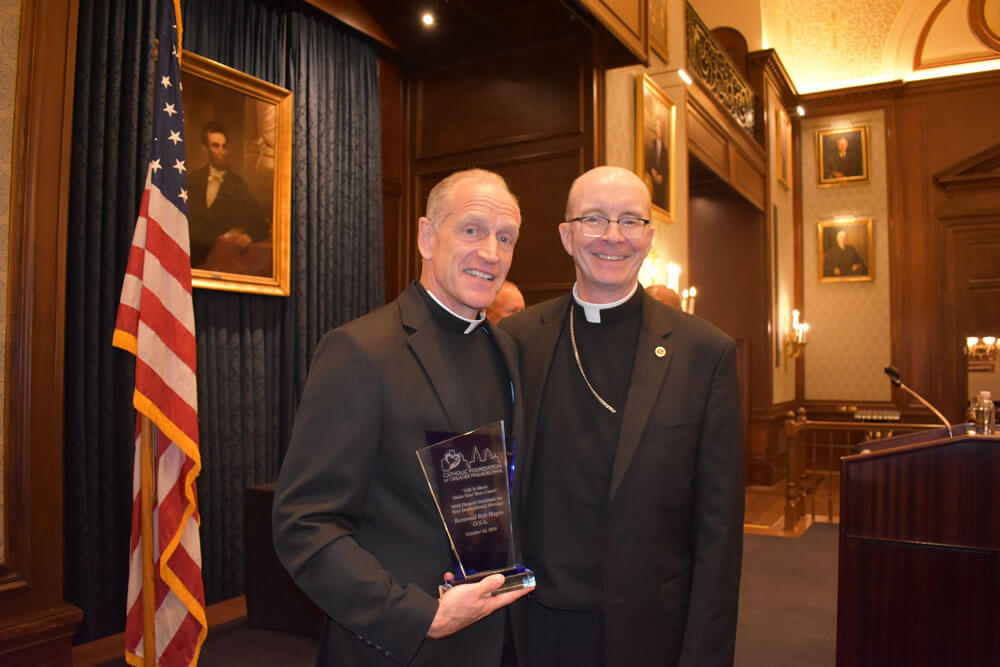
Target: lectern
919,580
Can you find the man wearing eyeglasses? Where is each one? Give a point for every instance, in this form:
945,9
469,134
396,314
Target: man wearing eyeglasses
631,493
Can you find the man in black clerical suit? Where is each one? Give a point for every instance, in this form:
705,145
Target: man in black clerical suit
354,521
844,162
658,165
631,492
220,202
843,259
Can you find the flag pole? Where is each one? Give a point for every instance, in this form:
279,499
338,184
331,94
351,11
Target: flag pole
147,482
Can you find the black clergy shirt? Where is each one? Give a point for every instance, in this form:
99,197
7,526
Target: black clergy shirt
574,451
482,372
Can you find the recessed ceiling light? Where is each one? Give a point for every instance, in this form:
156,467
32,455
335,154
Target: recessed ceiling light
427,18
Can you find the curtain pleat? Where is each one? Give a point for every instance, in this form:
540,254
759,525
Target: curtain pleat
111,135
253,351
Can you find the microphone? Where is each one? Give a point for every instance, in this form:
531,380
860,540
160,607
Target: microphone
894,378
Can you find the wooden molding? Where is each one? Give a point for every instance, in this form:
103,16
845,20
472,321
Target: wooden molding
978,172
355,15
980,28
35,623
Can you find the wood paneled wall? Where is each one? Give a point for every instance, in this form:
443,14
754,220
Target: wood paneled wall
36,624
398,236
528,115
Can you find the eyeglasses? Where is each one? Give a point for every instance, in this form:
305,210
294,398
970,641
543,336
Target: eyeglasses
594,226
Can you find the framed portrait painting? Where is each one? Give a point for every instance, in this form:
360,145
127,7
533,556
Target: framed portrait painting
783,144
842,156
845,251
658,28
238,131
655,144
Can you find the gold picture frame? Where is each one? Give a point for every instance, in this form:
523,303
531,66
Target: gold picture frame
842,156
658,28
846,251
655,145
783,146
240,127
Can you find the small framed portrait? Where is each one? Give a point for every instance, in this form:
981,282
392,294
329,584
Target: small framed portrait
238,131
783,144
845,251
842,156
658,28
654,145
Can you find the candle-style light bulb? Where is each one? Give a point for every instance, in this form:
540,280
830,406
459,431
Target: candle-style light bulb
673,276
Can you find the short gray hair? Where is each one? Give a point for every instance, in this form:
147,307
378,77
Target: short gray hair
439,199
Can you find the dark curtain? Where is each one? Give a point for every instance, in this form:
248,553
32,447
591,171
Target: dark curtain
253,351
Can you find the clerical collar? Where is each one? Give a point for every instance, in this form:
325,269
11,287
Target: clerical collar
465,325
592,311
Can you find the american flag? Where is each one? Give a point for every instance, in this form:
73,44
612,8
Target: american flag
156,323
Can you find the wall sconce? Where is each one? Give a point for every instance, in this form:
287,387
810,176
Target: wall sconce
795,340
981,352
687,300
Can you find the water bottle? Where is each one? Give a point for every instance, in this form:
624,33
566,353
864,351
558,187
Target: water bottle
985,418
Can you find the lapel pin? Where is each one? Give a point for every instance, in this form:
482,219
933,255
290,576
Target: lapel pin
660,351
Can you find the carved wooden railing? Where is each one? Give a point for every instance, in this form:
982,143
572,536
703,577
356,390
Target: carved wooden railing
814,451
712,65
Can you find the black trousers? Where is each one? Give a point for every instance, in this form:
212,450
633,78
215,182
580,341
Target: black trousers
555,637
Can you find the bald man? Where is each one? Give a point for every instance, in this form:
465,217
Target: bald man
631,489
353,520
509,301
664,294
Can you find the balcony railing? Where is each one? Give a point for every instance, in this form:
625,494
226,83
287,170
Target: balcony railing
814,451
710,63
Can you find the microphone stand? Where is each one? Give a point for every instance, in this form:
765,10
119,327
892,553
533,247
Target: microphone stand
894,378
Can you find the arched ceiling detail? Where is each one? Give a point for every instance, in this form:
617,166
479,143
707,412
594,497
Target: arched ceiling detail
984,19
948,37
826,45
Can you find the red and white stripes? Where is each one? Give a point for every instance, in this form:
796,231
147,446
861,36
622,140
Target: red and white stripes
156,323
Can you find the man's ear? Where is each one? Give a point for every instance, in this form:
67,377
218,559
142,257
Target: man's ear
566,236
425,237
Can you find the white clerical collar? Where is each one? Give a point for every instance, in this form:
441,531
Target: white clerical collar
472,323
592,311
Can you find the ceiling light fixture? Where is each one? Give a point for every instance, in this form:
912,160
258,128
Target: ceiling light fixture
428,19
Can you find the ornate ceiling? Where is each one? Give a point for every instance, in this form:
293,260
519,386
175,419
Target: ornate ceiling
826,45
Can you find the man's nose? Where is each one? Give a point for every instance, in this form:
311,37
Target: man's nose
613,234
488,249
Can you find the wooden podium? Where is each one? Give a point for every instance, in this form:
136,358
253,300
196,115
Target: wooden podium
919,580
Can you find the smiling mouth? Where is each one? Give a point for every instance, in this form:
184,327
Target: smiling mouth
479,274
610,258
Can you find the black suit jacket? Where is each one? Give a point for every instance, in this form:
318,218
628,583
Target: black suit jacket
675,506
354,522
234,207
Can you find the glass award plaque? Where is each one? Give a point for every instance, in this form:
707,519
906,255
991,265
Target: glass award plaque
467,476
